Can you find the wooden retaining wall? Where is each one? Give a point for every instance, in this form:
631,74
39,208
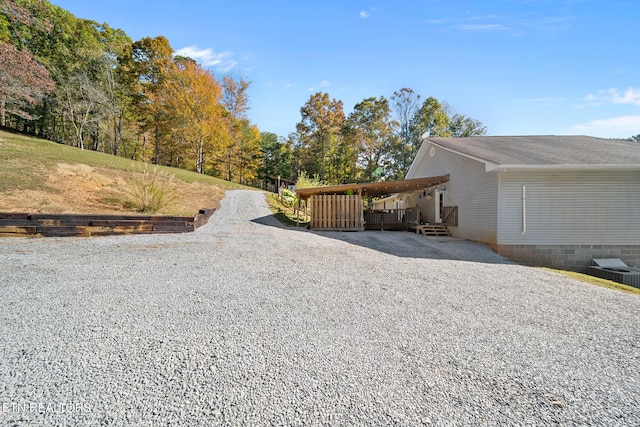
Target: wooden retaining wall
336,212
20,224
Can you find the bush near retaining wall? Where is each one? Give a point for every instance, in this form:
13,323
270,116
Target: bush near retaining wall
21,224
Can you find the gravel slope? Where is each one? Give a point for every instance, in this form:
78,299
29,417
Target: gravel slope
244,322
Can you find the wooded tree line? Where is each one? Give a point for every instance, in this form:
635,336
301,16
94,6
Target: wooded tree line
377,140
86,84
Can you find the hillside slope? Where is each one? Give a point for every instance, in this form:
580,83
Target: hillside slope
40,176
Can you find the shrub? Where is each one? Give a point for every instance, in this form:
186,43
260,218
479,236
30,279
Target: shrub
287,197
152,189
305,181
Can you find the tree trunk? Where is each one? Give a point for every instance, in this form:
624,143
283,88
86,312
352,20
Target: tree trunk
3,119
156,153
229,156
95,140
117,133
200,157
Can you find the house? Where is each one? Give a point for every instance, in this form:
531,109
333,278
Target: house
393,201
549,200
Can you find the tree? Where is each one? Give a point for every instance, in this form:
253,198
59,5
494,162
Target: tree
431,119
189,101
81,101
235,97
318,132
248,158
277,157
146,64
236,101
405,106
635,138
461,126
375,133
116,86
23,82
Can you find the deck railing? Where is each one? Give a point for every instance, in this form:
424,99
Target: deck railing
391,219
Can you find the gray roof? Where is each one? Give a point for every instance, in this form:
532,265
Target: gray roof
544,150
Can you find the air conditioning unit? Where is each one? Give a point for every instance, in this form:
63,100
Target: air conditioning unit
616,270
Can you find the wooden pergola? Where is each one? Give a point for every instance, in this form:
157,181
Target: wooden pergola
374,189
339,207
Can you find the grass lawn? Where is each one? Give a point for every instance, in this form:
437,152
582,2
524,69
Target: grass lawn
597,281
45,177
285,214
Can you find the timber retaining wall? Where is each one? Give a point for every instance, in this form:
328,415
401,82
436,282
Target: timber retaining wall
21,224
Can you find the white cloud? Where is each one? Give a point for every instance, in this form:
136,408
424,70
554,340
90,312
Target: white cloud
514,25
483,27
615,125
614,96
631,96
222,61
324,83
364,14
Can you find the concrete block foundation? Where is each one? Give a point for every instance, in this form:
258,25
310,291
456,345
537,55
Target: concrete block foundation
569,257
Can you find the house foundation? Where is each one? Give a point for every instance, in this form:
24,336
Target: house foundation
569,257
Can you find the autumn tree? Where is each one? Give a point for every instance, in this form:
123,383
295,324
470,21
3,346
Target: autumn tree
189,99
134,99
146,65
235,100
23,80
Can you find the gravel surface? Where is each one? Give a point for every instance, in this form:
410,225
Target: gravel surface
244,322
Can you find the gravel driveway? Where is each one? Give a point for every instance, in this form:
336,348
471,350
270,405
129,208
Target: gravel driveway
246,322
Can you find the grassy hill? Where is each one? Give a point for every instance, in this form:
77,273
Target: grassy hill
41,176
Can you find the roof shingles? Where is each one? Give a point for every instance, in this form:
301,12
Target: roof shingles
545,150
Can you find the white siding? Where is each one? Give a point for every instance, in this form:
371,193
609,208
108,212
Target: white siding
570,208
473,190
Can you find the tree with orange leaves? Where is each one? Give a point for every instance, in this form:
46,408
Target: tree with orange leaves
190,101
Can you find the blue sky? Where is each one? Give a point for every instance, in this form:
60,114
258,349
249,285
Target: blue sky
522,67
